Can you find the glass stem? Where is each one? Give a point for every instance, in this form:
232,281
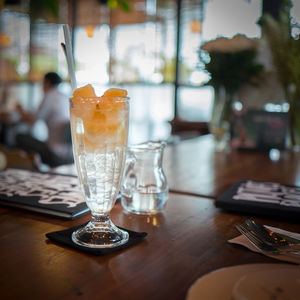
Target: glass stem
101,220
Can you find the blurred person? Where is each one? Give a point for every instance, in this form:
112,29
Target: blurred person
54,111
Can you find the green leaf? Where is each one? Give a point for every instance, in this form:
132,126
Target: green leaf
124,5
52,6
112,4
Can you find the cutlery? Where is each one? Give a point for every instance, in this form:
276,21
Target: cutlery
269,236
262,245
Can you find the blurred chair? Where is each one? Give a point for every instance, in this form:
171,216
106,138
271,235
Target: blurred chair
18,158
66,134
67,141
186,129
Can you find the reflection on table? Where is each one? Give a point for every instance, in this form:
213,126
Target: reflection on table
194,167
185,242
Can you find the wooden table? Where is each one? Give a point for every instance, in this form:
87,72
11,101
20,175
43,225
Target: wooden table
193,167
185,242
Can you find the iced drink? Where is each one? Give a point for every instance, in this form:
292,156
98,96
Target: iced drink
99,136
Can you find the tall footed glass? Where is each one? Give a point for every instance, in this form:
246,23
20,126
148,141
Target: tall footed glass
99,128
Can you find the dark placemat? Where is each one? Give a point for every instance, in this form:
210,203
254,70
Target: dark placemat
65,237
262,198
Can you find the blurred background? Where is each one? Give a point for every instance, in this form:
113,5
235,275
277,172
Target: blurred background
149,47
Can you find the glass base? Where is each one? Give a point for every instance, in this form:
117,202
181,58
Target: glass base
100,232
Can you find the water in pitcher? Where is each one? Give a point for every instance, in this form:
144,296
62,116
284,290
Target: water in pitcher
145,203
145,189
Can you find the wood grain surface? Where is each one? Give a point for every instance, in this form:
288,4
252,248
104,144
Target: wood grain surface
185,242
193,167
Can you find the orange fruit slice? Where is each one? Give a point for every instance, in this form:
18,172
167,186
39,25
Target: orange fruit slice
86,91
114,92
80,105
110,99
102,117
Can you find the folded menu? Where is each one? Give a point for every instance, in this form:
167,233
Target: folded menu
262,198
48,193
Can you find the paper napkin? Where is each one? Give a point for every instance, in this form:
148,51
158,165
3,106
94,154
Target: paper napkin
289,257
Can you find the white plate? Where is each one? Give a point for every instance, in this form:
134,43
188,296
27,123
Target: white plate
222,283
279,284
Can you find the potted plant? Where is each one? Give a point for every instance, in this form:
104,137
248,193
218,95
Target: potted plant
230,63
283,40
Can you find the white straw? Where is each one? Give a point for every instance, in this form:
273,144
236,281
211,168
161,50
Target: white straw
69,55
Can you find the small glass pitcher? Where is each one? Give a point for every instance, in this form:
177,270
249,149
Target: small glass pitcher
145,188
